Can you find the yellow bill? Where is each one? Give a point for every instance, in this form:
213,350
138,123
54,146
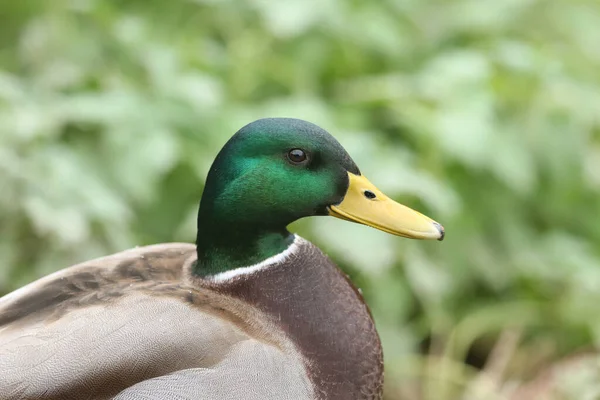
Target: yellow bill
367,205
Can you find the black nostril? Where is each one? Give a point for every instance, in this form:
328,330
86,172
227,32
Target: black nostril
369,195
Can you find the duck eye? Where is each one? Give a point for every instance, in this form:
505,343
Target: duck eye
297,156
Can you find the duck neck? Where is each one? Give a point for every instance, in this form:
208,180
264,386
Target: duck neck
224,247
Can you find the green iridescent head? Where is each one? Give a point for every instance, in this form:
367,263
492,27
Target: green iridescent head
275,171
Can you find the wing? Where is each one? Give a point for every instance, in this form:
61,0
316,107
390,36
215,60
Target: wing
94,329
130,325
270,375
95,281
97,351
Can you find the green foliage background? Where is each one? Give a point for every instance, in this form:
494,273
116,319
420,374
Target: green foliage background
483,115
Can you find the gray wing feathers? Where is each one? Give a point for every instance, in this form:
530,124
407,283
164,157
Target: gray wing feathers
105,349
179,354
129,326
268,376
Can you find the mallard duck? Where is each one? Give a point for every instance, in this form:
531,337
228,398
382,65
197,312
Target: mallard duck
251,311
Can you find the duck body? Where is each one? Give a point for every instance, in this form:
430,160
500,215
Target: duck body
304,326
251,311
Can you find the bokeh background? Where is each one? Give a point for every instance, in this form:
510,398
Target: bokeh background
484,115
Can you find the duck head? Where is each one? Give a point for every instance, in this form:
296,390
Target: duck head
275,171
